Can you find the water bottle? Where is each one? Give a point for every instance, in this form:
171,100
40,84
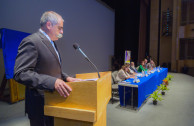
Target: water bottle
143,73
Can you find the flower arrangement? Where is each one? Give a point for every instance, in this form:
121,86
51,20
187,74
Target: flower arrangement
165,81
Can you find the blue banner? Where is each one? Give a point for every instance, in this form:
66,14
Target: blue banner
10,40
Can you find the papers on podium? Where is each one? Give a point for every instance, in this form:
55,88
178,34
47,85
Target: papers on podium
92,79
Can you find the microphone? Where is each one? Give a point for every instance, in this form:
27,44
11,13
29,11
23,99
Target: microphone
77,47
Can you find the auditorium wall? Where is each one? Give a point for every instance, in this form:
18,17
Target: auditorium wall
165,42
87,22
154,19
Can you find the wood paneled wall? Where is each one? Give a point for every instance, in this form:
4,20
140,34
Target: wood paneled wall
175,34
154,19
166,48
170,45
165,41
143,28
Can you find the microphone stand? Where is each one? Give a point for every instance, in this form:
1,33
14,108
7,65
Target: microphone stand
93,65
76,47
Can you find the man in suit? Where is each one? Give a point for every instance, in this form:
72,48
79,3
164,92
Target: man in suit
38,66
132,68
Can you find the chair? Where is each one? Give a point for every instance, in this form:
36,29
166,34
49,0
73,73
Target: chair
115,91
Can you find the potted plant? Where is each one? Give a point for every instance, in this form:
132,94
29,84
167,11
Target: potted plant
156,96
163,88
169,77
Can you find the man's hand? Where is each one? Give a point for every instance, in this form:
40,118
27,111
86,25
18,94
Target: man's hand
62,88
71,79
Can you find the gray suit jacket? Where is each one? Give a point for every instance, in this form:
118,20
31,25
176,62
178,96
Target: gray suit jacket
37,66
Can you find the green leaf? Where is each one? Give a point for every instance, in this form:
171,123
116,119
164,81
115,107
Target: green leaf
163,87
156,96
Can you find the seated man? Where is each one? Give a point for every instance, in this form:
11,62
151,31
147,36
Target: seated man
132,68
123,74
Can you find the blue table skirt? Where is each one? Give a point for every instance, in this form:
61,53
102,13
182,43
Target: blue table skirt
146,86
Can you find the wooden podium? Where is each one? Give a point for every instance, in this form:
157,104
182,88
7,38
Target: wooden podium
86,104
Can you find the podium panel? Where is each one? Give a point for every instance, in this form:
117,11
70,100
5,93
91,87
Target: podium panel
17,91
68,122
86,104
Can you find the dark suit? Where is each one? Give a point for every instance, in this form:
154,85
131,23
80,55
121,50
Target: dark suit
133,69
37,66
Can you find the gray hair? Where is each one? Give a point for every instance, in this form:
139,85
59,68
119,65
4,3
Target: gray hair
51,16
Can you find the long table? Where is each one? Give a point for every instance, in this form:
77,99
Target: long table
135,94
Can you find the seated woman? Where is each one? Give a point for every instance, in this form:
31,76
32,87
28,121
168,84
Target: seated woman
129,70
142,67
151,65
123,73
